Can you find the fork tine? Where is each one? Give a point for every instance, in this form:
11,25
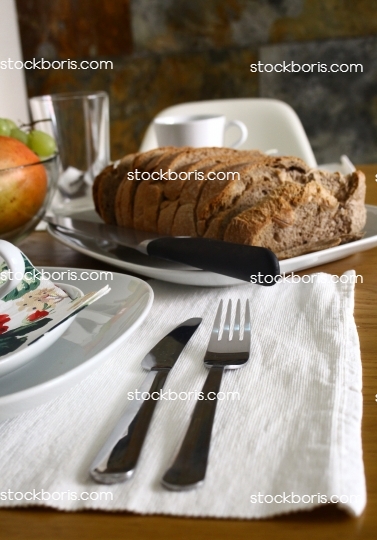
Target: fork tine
226,330
216,324
237,321
247,329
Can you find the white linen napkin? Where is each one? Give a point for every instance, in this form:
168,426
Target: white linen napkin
291,441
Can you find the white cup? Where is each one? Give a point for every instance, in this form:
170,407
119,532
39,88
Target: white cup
16,265
196,130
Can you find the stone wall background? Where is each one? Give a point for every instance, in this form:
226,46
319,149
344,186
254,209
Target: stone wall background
169,51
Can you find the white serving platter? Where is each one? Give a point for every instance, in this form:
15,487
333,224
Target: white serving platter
133,261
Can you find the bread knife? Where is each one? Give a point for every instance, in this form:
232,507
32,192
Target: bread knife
117,459
234,260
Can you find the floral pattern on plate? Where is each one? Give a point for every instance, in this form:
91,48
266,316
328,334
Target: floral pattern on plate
35,307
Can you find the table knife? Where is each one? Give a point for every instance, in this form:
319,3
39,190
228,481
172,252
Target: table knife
117,460
234,260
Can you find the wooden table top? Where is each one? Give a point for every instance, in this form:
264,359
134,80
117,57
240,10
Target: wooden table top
326,523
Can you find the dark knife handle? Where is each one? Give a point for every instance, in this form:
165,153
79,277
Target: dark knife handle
247,263
120,462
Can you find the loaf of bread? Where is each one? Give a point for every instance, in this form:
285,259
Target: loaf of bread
237,196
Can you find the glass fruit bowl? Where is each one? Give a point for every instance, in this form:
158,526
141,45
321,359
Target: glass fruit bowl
25,193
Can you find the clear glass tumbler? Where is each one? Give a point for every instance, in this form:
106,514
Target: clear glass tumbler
79,122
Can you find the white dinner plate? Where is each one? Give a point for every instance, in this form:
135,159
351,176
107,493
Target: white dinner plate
133,261
94,333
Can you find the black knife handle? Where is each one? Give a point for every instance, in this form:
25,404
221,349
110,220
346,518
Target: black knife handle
247,263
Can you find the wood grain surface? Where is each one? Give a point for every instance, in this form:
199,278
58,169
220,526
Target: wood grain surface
323,523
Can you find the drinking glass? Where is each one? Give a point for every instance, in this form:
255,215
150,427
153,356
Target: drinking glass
79,122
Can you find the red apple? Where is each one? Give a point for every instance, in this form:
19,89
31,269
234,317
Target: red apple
22,189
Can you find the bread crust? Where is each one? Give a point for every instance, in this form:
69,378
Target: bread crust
106,186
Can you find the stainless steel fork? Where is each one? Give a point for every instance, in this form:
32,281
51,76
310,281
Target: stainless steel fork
189,467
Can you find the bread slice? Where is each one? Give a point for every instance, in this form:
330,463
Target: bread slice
169,207
159,158
258,178
149,197
108,185
144,158
188,171
172,189
147,202
218,196
176,156
102,176
197,158
318,246
184,219
289,217
166,216
183,163
124,201
350,192
261,179
303,249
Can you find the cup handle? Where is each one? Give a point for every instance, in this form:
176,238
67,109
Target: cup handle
15,262
243,129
